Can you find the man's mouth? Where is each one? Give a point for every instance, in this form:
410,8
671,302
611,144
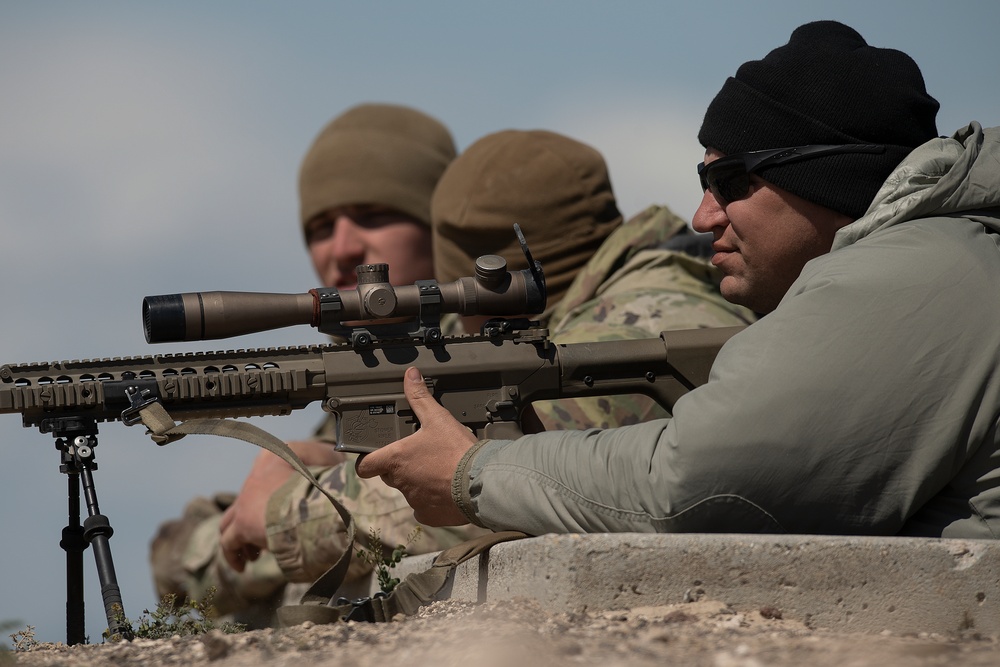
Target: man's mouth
722,253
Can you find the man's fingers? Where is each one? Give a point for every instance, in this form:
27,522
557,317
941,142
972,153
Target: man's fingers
364,467
233,556
227,518
226,539
235,548
373,464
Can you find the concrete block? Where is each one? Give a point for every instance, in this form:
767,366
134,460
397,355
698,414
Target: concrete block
849,584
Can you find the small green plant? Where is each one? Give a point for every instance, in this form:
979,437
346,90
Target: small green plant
192,617
374,553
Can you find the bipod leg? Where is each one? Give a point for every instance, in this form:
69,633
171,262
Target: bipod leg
97,531
78,463
73,544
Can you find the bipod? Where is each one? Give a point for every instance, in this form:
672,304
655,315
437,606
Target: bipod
76,438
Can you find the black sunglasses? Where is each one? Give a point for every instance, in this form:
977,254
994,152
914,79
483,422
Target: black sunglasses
729,177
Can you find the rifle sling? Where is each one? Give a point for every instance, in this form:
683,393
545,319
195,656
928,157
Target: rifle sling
417,590
318,604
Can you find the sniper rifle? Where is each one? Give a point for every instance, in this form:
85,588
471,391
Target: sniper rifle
485,379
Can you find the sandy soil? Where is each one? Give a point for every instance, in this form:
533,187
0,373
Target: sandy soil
519,633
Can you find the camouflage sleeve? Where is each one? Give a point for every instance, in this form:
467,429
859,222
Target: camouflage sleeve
648,229
306,535
187,562
657,290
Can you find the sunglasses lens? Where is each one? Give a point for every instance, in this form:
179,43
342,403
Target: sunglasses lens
728,182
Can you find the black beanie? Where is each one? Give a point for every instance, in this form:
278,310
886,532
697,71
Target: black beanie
826,86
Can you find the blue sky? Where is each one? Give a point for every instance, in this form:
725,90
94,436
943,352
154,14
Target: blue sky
152,148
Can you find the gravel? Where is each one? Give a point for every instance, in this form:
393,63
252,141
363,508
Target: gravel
519,633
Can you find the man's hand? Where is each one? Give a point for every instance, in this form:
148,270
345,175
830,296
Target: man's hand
422,465
243,526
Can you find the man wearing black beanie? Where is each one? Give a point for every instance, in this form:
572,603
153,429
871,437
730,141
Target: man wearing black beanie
826,87
865,401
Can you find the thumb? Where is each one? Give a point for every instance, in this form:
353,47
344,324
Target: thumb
419,398
424,407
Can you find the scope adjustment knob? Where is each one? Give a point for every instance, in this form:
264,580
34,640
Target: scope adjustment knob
491,270
372,273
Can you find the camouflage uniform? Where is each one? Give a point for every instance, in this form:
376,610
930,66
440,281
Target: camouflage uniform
634,287
186,561
305,536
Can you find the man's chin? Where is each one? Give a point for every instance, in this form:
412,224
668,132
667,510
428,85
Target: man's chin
734,290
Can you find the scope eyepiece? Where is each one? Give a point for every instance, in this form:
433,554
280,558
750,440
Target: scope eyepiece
163,318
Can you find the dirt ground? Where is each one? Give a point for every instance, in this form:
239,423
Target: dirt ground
519,633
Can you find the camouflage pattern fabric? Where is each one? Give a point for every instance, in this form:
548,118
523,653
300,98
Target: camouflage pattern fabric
186,563
649,229
631,290
306,535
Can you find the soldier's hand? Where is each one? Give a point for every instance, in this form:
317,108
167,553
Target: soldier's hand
422,465
243,525
238,534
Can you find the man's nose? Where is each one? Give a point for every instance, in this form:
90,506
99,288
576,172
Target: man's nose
710,216
345,244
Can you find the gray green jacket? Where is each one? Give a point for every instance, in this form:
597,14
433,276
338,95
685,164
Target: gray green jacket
866,403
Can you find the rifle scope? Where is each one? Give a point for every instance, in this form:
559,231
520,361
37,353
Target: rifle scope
494,291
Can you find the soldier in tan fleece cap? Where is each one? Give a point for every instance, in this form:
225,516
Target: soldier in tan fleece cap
365,189
606,280
556,188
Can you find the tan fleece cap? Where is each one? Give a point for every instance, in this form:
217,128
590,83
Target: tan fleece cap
380,154
556,188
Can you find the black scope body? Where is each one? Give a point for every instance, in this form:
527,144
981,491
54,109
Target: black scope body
494,291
